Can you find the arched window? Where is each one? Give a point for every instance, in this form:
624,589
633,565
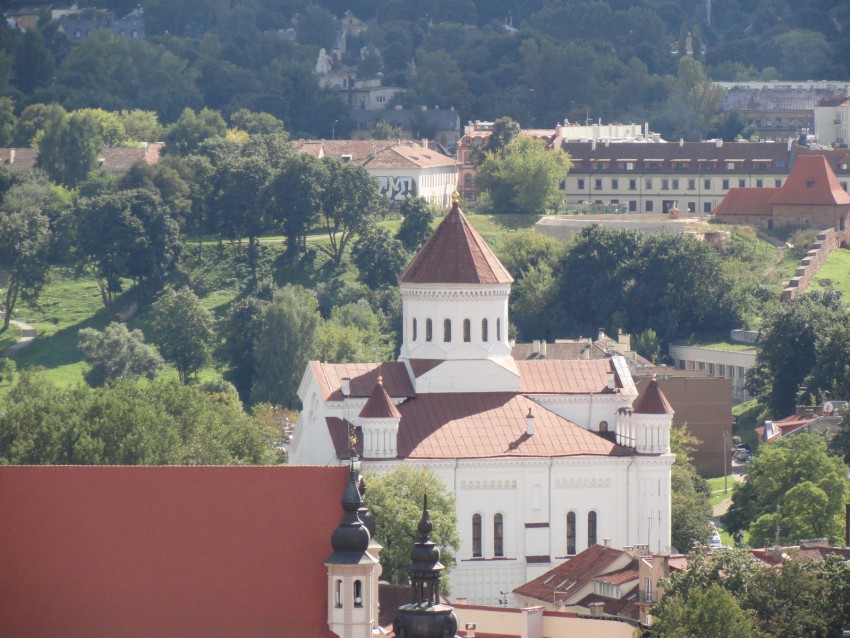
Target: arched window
467,179
498,535
571,533
467,331
429,330
484,336
591,529
476,535
498,329
358,593
413,329
841,223
447,330
603,426
338,593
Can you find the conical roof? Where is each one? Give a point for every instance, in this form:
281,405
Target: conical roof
653,401
455,254
379,405
811,182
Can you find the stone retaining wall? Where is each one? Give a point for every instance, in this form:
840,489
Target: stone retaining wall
810,264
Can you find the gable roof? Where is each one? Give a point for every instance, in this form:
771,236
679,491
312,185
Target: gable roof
571,576
379,405
376,154
747,201
129,551
811,182
363,378
455,254
565,376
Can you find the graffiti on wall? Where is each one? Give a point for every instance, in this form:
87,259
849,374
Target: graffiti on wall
397,189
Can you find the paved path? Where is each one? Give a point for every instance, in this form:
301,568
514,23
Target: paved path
738,475
27,335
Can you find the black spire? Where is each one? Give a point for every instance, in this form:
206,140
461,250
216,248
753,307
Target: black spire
426,616
364,513
351,538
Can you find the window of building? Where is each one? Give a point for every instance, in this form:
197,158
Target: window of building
731,372
648,206
358,593
603,426
413,329
706,184
648,183
721,370
498,535
338,593
730,166
706,207
615,184
647,589
665,184
700,365
447,330
692,184
675,184
580,184
484,336
467,180
742,183
726,184
571,533
467,331
759,183
692,207
429,330
777,183
498,329
597,184
591,529
476,535
632,184
632,206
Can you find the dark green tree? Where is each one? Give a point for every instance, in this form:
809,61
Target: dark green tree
183,331
25,242
239,333
690,509
191,129
349,196
379,257
704,613
416,220
117,353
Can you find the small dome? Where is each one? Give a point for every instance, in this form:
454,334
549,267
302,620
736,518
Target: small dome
351,535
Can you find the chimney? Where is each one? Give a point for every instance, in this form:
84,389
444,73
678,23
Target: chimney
374,152
611,381
529,423
424,142
346,387
790,143
535,346
543,347
601,334
681,142
399,107
718,142
596,609
593,144
11,156
606,542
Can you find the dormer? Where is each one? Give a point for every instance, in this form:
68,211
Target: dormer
379,421
647,426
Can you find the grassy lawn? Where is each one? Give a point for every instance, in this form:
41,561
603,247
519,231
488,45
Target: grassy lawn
720,345
836,273
9,337
747,420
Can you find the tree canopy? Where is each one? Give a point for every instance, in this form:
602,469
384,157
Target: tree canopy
117,353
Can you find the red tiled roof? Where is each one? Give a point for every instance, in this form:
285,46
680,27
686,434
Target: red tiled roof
422,366
571,576
339,429
455,254
564,376
621,576
18,157
747,201
491,424
811,182
372,154
166,551
363,378
625,606
653,401
390,598
379,405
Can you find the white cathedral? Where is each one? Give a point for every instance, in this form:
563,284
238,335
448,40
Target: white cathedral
545,457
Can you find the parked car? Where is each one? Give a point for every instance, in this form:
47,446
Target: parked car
741,453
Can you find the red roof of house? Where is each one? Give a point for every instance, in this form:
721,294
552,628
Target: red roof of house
455,254
747,201
653,401
571,576
166,551
363,377
379,405
564,376
811,182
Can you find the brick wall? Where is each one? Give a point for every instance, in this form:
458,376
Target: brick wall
811,263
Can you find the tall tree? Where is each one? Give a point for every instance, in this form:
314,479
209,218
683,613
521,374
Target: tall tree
239,334
183,331
379,257
690,509
694,104
25,241
295,194
285,345
191,129
117,353
705,613
416,219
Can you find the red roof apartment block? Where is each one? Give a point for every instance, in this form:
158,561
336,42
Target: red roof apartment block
166,551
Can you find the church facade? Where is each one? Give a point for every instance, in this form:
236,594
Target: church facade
546,457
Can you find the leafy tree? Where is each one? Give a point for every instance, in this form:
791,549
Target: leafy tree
68,150
117,353
382,130
164,180
353,333
395,499
35,118
295,193
690,509
25,240
317,26
127,423
416,219
285,345
239,334
191,129
523,177
8,370
140,126
694,104
379,257
646,345
705,613
348,197
787,354
256,123
184,331
794,488
505,130
7,120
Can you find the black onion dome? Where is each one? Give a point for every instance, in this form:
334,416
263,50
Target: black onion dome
425,551
351,535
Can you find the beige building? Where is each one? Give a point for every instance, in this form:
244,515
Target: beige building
641,177
728,361
832,121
